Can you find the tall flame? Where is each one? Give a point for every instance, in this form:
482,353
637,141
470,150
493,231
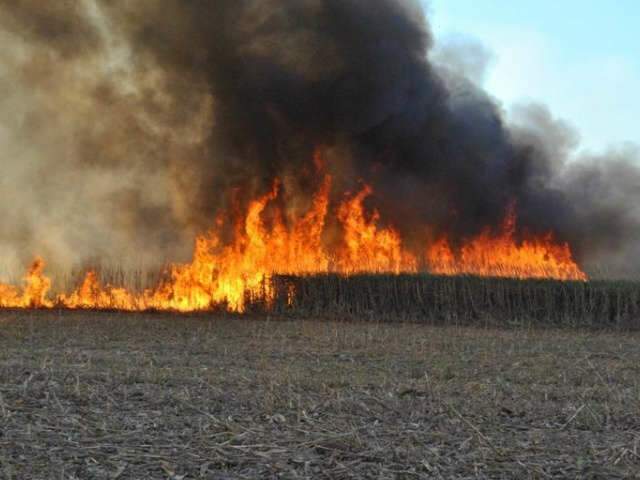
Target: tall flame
34,293
225,275
368,248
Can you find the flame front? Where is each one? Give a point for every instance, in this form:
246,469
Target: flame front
368,248
33,294
226,275
501,256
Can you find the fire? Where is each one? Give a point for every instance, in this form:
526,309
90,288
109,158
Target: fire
368,248
501,256
34,293
91,295
226,275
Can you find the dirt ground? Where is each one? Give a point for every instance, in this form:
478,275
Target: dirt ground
117,396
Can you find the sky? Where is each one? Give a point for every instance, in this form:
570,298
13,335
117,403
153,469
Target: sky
579,57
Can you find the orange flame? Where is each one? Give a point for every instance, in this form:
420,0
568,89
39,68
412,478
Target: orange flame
367,247
501,256
34,293
226,275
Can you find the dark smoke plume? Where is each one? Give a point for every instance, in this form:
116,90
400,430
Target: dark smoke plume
139,121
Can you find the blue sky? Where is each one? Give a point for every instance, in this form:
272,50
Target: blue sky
581,58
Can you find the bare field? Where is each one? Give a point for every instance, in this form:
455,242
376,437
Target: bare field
106,396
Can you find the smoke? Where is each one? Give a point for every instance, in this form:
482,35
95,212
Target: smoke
460,57
126,127
89,139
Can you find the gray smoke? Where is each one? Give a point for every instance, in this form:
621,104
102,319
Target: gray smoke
128,126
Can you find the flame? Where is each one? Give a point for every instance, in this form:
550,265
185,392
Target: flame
502,256
226,275
367,247
34,293
92,295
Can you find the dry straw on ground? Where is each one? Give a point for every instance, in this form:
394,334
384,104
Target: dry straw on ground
114,396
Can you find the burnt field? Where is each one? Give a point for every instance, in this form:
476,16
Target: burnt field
111,395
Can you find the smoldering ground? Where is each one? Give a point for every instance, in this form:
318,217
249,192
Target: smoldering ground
127,126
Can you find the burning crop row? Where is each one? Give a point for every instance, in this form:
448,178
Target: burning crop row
265,244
